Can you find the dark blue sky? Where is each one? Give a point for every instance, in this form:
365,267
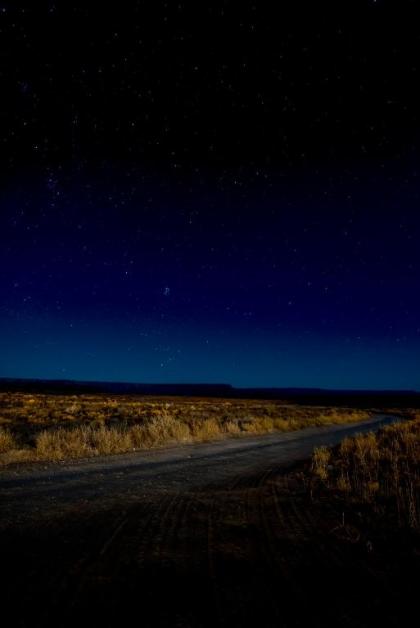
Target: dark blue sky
179,210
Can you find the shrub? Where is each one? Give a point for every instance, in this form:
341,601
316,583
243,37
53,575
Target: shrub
320,461
382,469
7,440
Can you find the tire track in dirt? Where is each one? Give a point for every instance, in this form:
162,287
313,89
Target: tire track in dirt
283,585
321,554
228,505
75,588
254,545
67,578
237,560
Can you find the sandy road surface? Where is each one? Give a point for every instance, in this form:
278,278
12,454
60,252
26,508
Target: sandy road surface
202,535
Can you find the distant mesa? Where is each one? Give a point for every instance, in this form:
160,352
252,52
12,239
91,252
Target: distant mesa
316,396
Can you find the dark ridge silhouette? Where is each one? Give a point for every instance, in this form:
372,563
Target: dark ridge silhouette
309,396
63,386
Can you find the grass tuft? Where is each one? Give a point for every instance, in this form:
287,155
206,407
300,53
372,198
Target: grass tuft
7,440
320,460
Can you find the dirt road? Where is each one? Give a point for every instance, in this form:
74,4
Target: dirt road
29,490
203,535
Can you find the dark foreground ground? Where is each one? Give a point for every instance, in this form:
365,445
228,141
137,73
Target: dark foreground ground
206,535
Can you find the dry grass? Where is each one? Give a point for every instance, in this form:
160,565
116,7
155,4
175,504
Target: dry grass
320,461
81,441
57,427
381,469
7,440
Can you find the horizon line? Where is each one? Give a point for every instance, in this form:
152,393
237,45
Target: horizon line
203,384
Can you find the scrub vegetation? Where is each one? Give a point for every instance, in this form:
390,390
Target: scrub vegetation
58,427
378,472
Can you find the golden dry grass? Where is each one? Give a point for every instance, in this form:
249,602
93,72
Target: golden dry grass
7,440
57,427
381,469
320,461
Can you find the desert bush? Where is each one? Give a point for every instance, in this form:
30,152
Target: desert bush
320,460
231,427
382,469
207,429
110,440
80,441
282,425
180,431
7,440
63,443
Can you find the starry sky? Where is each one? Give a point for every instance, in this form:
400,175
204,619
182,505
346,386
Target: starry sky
211,192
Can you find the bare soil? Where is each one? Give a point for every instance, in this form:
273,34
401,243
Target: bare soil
221,534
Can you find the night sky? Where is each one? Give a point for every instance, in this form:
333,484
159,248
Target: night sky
211,192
